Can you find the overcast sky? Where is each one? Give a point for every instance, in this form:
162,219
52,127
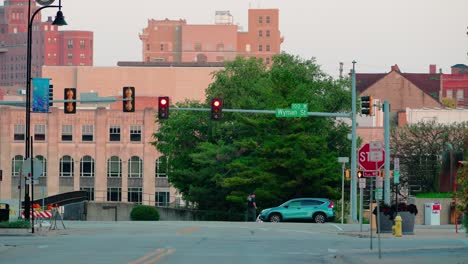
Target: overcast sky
375,33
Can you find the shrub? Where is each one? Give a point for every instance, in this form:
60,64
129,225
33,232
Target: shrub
15,224
144,213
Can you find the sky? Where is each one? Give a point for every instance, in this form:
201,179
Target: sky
374,33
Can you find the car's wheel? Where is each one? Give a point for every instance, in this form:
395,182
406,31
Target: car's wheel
275,218
320,218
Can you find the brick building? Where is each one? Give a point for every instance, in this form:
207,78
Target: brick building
176,41
49,45
455,85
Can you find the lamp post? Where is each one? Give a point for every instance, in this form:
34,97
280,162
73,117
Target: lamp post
59,21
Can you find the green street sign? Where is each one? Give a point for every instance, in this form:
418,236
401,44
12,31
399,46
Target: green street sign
300,107
396,177
378,193
286,112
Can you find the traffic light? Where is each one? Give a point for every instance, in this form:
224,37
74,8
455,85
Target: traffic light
69,94
129,99
163,107
347,175
367,105
216,109
360,173
51,94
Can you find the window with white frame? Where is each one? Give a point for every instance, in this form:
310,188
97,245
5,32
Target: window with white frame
39,132
114,167
66,166
114,133
161,167
44,165
70,43
460,95
82,44
87,133
135,167
70,55
449,93
162,198
16,164
82,56
135,195
67,132
114,194
135,133
90,191
19,132
87,167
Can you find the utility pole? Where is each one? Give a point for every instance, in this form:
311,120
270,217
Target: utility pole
353,147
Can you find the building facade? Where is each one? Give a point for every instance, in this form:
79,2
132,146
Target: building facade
455,85
49,45
176,41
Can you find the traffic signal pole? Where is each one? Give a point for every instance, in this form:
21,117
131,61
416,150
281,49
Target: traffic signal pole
386,107
353,147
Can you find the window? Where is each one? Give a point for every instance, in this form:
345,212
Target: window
67,132
460,95
19,132
87,133
450,93
87,167
114,167
82,56
70,56
16,164
114,194
260,33
135,167
135,133
66,166
267,33
161,167
268,19
44,165
162,198
311,203
260,19
135,195
161,47
39,132
114,133
260,47
90,191
267,47
70,44
82,44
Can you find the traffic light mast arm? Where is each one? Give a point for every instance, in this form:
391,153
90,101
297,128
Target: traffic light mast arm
260,111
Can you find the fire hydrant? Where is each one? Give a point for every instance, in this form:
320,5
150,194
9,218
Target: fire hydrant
397,227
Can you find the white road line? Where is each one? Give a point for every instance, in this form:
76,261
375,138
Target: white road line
339,228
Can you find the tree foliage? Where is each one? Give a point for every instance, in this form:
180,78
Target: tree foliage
216,164
424,150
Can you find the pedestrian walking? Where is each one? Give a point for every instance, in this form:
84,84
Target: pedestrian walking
251,207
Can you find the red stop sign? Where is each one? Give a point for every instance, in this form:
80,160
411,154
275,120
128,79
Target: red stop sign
364,159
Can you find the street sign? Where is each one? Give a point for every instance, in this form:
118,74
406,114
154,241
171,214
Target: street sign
396,177
379,182
378,194
396,164
365,158
296,110
375,145
375,156
34,181
370,173
362,183
304,107
38,170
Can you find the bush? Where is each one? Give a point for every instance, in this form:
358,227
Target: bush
15,224
144,213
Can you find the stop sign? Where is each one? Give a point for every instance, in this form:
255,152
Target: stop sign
364,158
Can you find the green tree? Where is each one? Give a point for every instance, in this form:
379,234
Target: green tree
216,164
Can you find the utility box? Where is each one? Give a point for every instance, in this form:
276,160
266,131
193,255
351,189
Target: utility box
432,213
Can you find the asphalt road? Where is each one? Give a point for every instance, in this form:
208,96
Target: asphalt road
224,242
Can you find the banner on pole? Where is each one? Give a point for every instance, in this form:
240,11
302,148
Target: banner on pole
40,90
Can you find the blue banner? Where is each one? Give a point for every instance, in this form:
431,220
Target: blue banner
40,90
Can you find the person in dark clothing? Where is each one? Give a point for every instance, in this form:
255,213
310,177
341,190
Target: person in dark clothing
251,207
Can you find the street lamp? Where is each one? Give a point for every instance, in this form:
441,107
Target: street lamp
59,21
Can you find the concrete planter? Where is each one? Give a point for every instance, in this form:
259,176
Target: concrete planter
385,223
407,223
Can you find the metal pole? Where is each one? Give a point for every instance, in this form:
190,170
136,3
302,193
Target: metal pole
32,187
378,227
370,211
361,207
387,151
28,107
342,191
353,147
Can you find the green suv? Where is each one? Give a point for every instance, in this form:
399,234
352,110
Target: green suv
319,210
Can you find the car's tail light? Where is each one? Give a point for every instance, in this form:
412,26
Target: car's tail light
330,205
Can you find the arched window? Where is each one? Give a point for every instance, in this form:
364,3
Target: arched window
44,165
87,167
161,167
16,164
114,167
66,167
135,167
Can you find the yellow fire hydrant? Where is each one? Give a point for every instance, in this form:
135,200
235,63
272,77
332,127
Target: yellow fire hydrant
397,227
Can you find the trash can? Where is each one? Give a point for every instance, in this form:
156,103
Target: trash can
4,212
432,213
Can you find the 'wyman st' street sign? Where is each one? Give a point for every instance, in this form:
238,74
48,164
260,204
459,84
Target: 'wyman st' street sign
296,110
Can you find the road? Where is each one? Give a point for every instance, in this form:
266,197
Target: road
224,242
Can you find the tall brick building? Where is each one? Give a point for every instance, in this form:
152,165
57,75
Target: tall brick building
176,41
50,46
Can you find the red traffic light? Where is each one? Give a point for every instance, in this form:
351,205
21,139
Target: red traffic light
216,109
163,107
163,101
216,103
